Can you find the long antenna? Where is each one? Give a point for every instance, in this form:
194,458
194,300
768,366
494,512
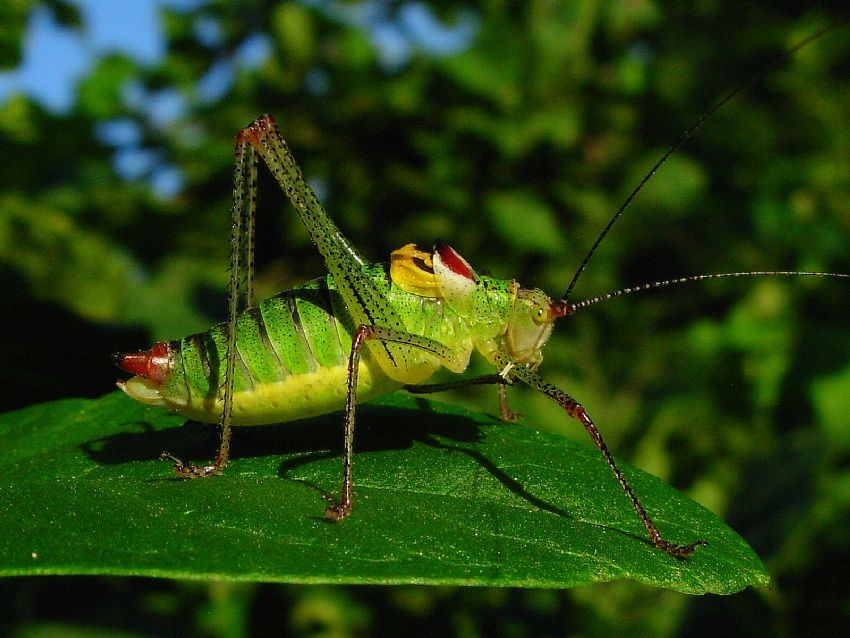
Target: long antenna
684,137
563,309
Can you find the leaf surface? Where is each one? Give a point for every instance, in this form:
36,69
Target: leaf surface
442,496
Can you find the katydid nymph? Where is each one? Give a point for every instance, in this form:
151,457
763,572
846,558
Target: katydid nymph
363,330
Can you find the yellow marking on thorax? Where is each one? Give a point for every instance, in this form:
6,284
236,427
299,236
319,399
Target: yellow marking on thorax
412,270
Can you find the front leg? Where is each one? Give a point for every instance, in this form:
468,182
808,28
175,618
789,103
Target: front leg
574,409
505,413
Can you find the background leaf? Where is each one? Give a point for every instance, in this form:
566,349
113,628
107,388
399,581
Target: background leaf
442,497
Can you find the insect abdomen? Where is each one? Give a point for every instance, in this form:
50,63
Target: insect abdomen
291,360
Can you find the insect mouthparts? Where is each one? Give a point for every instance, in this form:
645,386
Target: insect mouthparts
561,308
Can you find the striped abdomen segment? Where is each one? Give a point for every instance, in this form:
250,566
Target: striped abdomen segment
291,350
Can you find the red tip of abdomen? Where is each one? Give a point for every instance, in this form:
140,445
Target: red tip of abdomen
151,364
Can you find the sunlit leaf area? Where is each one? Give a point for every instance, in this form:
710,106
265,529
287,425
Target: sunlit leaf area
445,497
513,131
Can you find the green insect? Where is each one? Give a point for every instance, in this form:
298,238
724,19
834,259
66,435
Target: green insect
361,331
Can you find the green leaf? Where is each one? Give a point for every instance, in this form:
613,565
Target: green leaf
441,496
524,221
100,94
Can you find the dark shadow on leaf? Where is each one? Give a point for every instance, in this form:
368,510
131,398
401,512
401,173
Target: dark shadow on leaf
517,488
308,441
381,428
510,483
142,442
378,428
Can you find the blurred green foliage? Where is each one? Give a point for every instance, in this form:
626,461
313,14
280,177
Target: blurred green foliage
516,150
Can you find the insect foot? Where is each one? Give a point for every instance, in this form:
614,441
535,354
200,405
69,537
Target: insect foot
190,471
681,552
337,511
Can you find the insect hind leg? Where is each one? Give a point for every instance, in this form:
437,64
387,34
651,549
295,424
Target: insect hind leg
240,296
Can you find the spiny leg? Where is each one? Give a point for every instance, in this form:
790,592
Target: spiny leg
248,197
241,266
366,302
338,510
574,409
505,413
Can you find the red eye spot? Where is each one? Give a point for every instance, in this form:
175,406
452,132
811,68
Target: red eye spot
452,259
